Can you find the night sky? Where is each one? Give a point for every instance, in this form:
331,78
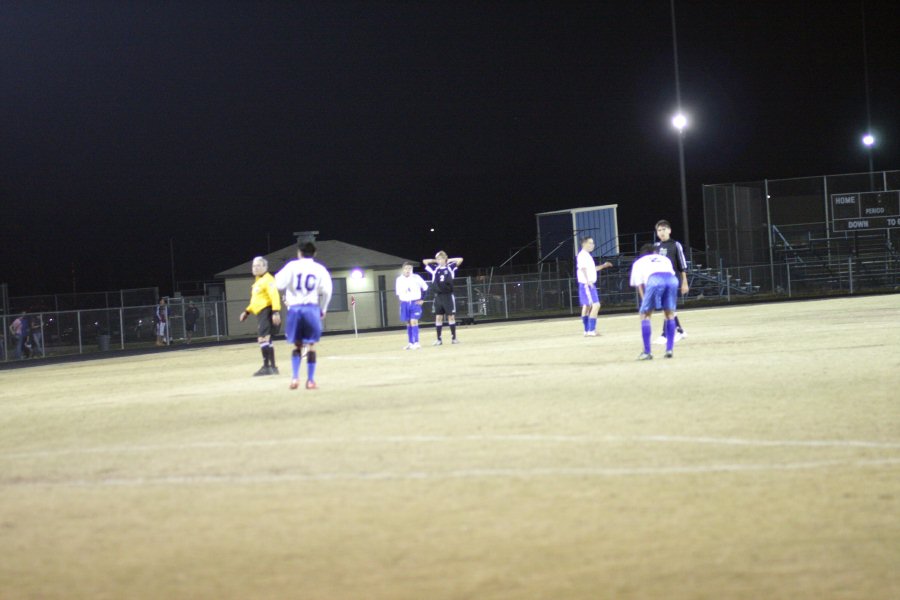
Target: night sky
226,126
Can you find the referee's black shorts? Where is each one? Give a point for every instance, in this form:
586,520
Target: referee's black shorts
265,326
444,304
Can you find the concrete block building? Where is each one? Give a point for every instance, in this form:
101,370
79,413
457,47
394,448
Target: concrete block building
359,274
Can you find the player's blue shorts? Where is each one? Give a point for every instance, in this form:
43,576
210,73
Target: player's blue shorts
587,294
410,311
661,291
304,324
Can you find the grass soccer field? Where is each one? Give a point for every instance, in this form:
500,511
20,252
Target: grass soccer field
763,461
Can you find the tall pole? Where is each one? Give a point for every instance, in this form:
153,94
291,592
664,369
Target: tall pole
675,54
871,172
172,259
684,210
869,141
680,124
862,6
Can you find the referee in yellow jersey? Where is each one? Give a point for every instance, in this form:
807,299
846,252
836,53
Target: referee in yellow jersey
265,303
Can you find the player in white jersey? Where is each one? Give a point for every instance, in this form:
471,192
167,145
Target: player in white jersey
409,288
654,277
307,291
586,272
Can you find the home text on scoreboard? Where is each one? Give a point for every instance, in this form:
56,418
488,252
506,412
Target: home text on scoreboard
863,211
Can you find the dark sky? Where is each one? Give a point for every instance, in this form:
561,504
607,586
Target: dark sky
226,126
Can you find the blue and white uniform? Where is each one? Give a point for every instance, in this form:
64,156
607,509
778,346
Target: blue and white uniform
409,291
307,291
586,272
674,252
657,275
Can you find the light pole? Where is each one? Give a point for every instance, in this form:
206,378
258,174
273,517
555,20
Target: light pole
679,122
868,141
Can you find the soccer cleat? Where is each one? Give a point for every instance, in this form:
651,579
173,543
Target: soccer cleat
679,336
454,341
591,334
273,370
416,346
263,370
660,341
295,383
408,347
311,385
645,356
669,354
437,343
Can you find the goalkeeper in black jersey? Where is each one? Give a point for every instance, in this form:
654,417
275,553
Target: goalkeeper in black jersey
673,250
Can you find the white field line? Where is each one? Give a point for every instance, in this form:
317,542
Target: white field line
365,357
584,472
449,439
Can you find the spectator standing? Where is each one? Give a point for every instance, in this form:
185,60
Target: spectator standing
161,318
191,314
20,329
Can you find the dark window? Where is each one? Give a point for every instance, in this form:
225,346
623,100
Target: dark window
339,299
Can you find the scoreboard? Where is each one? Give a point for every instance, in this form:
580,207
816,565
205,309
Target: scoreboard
863,211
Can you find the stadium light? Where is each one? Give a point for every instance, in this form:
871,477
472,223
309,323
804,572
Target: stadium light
679,122
868,140
357,274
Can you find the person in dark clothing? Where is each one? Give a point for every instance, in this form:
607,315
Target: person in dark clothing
442,277
672,250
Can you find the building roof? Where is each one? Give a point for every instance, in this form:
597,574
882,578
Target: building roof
333,254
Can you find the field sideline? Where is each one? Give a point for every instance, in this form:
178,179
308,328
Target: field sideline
763,461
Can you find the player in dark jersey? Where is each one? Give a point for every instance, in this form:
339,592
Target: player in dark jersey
442,277
671,249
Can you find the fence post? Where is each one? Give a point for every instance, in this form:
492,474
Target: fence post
43,343
78,322
505,303
850,272
571,300
787,267
216,305
469,297
122,327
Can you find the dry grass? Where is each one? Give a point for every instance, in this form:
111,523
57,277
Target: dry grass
526,462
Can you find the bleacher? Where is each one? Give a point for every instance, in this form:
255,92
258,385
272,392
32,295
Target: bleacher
867,257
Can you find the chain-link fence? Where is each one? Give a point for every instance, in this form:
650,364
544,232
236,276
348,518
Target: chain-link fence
519,296
83,300
777,220
60,333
